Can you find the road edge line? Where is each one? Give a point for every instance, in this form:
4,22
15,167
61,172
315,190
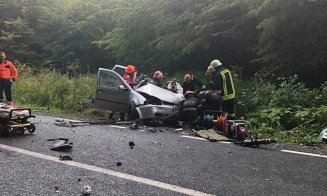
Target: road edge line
305,153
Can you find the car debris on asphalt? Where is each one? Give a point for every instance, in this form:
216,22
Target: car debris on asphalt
56,189
60,144
86,190
131,144
74,123
65,158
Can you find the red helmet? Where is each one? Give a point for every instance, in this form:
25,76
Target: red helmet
187,77
130,69
158,74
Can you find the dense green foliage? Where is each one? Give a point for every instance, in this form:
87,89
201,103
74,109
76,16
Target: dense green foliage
276,36
287,110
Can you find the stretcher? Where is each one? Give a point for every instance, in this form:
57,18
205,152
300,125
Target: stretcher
15,120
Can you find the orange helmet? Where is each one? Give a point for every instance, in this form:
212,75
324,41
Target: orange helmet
187,77
130,69
158,74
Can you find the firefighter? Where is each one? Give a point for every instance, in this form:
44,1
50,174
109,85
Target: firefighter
191,108
191,84
8,75
129,75
222,83
158,77
129,78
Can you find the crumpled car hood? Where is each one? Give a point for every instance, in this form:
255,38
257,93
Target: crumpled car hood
161,93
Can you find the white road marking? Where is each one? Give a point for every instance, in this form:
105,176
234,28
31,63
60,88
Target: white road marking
304,153
125,176
192,137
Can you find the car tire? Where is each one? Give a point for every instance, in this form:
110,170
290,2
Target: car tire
132,113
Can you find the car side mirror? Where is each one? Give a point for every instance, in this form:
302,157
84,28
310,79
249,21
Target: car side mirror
122,87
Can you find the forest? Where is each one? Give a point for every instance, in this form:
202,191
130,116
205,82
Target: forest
275,37
276,50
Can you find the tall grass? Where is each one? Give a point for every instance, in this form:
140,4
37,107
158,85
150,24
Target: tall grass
49,89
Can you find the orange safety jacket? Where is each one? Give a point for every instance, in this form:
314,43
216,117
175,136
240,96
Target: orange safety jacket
8,70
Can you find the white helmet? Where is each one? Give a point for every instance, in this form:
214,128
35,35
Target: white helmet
215,63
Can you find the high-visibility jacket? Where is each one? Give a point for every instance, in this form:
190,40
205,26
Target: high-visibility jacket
223,83
8,71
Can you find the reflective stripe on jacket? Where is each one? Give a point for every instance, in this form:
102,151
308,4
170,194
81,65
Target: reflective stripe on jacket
8,70
223,82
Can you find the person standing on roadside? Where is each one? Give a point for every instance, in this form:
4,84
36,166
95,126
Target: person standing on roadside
222,84
8,75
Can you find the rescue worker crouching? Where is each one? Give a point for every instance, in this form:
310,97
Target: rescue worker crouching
191,109
210,100
158,77
192,84
222,83
8,75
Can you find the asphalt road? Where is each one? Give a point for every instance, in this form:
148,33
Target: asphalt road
161,163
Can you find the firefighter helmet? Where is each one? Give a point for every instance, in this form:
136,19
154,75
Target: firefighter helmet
187,77
158,74
215,63
130,69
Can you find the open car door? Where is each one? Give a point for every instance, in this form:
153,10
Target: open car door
112,92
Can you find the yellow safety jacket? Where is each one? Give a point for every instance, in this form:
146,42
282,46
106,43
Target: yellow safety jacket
223,83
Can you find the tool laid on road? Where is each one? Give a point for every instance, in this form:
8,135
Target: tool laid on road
15,119
255,142
238,130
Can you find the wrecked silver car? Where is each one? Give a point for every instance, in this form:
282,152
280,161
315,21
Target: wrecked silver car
146,101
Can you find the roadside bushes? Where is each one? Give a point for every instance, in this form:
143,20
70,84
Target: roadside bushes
285,109
51,90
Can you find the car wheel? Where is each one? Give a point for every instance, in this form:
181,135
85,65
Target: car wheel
132,114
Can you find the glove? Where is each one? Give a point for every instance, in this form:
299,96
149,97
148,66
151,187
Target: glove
12,81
